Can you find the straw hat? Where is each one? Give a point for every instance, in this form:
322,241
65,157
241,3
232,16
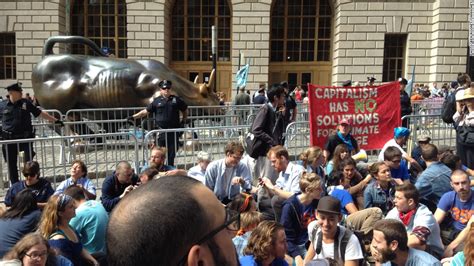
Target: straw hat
468,93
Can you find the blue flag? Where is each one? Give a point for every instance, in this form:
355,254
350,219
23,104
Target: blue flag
241,76
409,87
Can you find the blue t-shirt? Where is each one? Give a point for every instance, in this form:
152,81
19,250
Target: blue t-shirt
91,225
402,172
461,212
344,197
12,230
42,191
249,260
418,258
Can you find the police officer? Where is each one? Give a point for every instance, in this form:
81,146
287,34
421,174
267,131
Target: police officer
166,109
16,124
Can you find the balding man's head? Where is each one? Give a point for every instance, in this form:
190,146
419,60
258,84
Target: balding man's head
162,222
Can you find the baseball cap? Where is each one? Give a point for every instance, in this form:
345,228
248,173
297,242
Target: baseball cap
165,84
14,87
203,156
329,204
424,137
344,121
347,83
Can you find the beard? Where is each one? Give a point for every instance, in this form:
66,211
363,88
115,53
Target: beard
386,255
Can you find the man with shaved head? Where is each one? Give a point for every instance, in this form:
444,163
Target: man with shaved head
174,220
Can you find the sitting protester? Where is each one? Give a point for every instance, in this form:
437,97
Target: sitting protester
454,213
381,192
398,166
266,246
78,177
20,219
54,226
228,176
248,222
313,160
421,226
352,180
40,187
296,213
390,246
34,250
330,240
199,170
243,203
147,175
340,153
433,182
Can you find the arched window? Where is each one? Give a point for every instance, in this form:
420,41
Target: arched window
102,21
300,31
191,29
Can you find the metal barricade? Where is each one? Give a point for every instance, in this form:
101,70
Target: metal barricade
297,138
433,126
193,140
99,120
100,152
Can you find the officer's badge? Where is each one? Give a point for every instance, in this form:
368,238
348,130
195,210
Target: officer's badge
174,100
23,106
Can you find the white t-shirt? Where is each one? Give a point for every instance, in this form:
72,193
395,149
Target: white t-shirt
353,249
390,143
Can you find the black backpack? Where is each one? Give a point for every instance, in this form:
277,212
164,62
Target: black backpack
449,108
317,241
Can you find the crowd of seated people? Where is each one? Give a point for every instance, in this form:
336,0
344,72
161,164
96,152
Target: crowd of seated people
306,216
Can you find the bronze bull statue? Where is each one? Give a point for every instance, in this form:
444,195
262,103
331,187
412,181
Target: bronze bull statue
67,81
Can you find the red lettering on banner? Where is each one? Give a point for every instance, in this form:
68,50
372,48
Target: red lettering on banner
374,112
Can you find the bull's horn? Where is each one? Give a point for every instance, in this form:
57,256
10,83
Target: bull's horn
211,79
196,79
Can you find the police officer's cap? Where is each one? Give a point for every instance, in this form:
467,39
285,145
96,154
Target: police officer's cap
164,84
403,81
347,83
14,87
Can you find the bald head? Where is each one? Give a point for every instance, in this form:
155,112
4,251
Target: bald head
157,223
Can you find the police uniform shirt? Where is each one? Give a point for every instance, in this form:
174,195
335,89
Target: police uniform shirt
16,117
166,110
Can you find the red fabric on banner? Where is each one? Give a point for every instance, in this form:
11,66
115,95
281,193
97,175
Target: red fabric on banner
373,111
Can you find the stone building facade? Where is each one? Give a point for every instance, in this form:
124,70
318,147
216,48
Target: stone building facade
434,39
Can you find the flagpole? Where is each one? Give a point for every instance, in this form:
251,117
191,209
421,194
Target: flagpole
214,55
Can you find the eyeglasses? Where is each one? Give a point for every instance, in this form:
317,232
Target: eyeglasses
231,223
36,256
166,88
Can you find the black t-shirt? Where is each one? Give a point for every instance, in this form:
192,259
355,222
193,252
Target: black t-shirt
334,140
16,116
166,110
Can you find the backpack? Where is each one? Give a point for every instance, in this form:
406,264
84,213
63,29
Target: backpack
318,239
449,108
